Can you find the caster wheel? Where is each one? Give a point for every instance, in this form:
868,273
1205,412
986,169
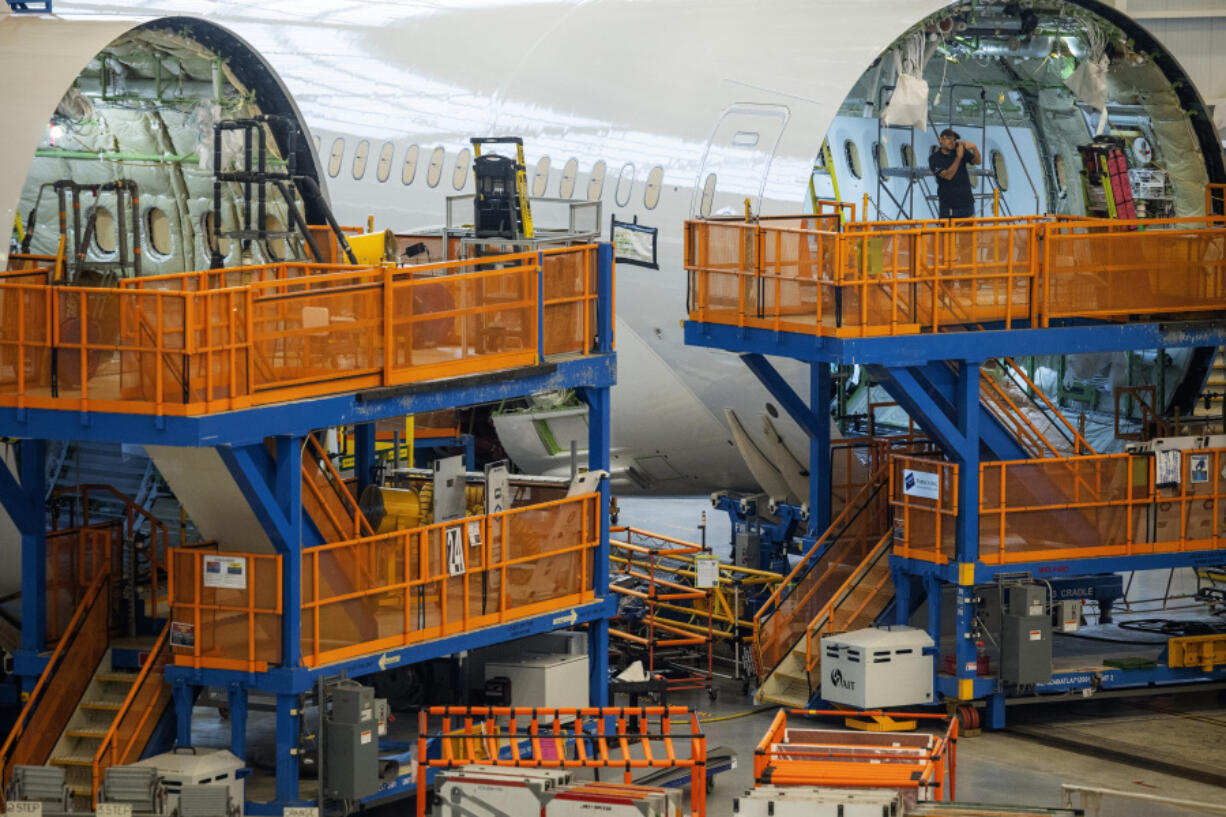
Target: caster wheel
712,694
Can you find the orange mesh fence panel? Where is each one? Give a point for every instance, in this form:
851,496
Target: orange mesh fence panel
722,259
227,339
924,524
225,609
570,286
403,587
148,698
1094,272
1104,505
62,683
796,290
75,558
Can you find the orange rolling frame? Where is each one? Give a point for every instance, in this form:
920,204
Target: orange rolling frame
618,732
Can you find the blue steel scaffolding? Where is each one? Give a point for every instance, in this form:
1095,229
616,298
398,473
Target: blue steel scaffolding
803,289
271,481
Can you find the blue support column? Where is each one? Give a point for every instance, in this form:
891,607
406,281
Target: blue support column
24,504
902,596
819,449
184,696
287,748
967,534
289,501
238,720
599,434
932,586
363,454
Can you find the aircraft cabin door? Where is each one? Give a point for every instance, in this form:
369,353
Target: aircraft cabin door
737,158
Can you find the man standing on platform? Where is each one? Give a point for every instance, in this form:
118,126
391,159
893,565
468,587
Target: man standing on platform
954,192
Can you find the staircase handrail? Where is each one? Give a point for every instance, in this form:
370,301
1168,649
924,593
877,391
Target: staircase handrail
1080,444
1009,413
149,673
826,613
157,529
361,525
807,562
98,590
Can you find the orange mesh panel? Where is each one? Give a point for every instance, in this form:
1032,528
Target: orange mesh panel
570,286
722,258
233,627
74,559
1093,272
926,526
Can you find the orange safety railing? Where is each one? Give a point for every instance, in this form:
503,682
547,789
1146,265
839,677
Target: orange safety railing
226,609
1215,199
326,497
447,578
623,738
927,523
1021,428
49,706
1092,271
226,339
75,557
1014,371
902,278
854,759
783,618
856,603
156,535
129,733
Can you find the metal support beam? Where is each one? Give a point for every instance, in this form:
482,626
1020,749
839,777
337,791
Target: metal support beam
820,469
810,423
288,716
25,503
599,435
184,696
289,505
238,720
363,454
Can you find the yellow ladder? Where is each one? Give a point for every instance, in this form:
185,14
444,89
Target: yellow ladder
521,176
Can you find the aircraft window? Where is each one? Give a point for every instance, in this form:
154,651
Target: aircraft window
540,181
460,177
566,188
274,244
595,185
708,196
385,162
435,171
210,237
409,170
338,152
651,195
315,141
157,227
880,157
908,156
360,154
852,152
1000,170
104,231
1061,173
625,183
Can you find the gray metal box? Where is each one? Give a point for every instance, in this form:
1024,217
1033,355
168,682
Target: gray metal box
1066,615
351,744
1028,599
748,547
1025,649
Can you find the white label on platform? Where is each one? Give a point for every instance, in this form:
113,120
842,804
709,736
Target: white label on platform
114,810
706,571
30,808
1198,468
474,534
229,572
366,736
921,483
1036,635
300,811
455,552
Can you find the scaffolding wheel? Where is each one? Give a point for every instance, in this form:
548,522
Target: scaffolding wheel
712,693
968,717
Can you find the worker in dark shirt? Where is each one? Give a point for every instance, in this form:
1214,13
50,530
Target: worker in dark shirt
948,164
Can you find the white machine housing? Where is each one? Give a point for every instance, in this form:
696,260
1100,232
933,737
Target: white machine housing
877,667
555,681
182,767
